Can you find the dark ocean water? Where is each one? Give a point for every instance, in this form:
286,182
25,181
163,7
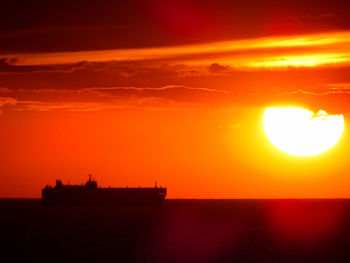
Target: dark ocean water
178,231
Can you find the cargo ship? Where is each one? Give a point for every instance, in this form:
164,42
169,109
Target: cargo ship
91,194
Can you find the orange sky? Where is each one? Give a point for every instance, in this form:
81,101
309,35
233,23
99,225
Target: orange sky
172,104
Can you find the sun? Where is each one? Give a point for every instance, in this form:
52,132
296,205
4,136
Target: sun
300,132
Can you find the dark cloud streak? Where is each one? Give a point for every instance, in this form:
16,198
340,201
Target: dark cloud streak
43,26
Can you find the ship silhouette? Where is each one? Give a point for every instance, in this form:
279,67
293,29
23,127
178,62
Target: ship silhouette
91,194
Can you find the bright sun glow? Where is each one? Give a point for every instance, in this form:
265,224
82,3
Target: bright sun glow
300,132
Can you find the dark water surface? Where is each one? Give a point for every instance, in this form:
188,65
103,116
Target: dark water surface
177,231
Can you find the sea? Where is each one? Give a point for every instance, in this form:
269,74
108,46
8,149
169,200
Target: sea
288,230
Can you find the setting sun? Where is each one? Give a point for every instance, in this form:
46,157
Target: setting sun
300,132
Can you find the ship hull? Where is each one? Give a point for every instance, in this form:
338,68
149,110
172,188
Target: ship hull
104,196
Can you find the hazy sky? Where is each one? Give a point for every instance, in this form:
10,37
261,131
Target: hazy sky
173,91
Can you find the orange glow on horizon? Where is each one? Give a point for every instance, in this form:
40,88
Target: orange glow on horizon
190,117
